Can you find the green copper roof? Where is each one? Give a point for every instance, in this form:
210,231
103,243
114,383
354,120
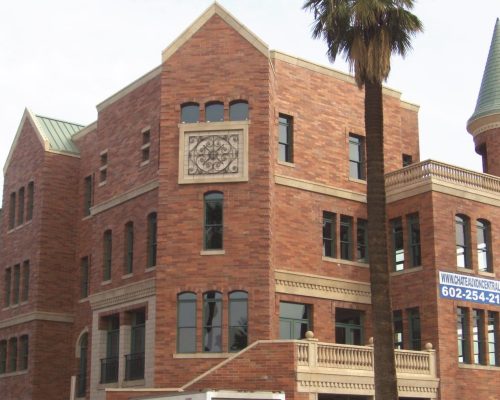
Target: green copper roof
59,133
488,101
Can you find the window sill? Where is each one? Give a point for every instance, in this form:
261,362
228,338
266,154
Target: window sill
346,262
15,373
286,163
486,273
212,252
102,183
407,271
17,227
149,269
466,270
127,276
144,163
362,181
87,217
83,300
104,283
479,366
202,355
104,386
134,383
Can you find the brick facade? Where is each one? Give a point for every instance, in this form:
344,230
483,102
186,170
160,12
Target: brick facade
272,236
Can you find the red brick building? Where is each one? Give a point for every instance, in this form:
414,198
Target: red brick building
216,211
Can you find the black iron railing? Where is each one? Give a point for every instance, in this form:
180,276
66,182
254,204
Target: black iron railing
134,366
109,369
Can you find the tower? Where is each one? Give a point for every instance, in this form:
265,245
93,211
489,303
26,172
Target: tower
484,124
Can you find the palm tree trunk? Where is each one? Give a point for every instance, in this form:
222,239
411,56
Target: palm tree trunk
384,364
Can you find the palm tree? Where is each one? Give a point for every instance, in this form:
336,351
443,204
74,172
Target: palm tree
367,33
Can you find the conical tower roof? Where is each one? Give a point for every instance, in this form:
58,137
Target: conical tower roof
488,101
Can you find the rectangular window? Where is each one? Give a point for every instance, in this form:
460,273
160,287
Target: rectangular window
16,284
26,281
146,145
463,335
484,261
20,207
414,239
23,353
478,336
109,365
212,322
7,285
103,170
238,321
346,245
87,195
213,227
398,329
462,238
84,277
349,326
152,227
414,326
3,356
362,241
186,323
129,248
134,362
31,199
12,210
12,354
107,254
329,234
407,160
295,320
357,157
398,244
493,343
285,142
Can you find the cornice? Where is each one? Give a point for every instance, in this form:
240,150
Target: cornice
123,294
37,316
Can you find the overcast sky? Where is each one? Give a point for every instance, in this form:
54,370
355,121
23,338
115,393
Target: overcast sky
60,58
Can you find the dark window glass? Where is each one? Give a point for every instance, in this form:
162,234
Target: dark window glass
238,321
295,320
414,326
81,379
483,246
414,238
212,322
186,323
31,199
20,207
146,144
285,142
463,335
134,362
398,244
329,234
190,112
103,170
84,277
407,160
478,339
349,326
109,365
356,157
12,354
214,112
346,237
16,284
129,248
87,195
213,229
493,343
107,254
398,329
462,238
362,241
23,352
12,210
152,230
3,356
25,281
7,286
238,110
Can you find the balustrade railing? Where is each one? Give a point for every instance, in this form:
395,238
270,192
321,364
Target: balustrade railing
134,366
430,169
109,370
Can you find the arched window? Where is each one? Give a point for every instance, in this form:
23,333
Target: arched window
152,228
238,320
238,110
186,322
190,112
484,245
81,383
129,248
214,111
212,322
107,254
462,238
213,221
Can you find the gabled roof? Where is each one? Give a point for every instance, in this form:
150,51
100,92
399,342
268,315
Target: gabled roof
54,135
488,101
215,9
